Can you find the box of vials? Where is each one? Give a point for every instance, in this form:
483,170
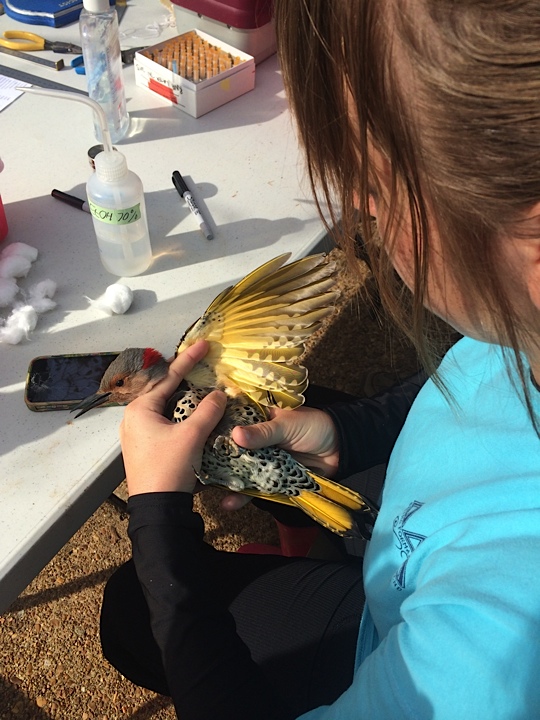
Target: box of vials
195,72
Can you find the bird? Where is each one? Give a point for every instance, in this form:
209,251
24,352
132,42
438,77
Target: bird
256,331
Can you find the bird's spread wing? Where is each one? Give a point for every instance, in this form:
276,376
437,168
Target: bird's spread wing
257,329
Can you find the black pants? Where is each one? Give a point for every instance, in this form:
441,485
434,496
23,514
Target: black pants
298,616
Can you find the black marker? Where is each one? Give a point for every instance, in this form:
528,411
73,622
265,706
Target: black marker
183,191
71,200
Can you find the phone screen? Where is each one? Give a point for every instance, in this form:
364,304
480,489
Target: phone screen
58,381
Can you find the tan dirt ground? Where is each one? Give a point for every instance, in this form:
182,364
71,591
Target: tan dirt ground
51,665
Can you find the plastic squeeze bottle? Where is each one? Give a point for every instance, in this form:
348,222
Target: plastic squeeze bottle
116,200
98,23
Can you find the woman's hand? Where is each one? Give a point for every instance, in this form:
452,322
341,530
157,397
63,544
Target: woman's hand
159,455
307,433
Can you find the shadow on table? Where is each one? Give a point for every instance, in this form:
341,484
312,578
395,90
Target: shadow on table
74,240
253,108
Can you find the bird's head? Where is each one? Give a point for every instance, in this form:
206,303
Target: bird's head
133,373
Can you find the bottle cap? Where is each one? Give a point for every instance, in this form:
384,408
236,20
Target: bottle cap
110,166
93,151
96,6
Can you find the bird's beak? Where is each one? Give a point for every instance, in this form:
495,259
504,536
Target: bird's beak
90,403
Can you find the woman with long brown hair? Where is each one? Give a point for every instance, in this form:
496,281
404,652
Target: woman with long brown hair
420,121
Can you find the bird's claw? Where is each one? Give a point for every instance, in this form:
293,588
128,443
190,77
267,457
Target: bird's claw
225,445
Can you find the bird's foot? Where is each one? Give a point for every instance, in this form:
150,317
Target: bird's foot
234,484
225,445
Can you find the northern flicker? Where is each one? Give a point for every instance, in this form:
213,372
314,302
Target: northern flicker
256,331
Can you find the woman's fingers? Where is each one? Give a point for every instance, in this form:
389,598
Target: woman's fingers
159,455
178,369
307,433
235,501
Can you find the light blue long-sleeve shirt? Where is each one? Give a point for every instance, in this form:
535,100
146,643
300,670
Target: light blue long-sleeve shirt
451,628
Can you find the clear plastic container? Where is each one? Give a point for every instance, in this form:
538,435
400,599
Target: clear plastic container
116,200
3,221
98,24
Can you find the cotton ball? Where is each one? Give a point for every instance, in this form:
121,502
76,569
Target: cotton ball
45,288
116,299
25,317
19,325
39,296
14,266
20,249
8,290
42,305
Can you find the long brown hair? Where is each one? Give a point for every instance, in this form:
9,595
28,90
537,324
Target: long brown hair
462,137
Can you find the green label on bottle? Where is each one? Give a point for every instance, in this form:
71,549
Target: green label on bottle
116,217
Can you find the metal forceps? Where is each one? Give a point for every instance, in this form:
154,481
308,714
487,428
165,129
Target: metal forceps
28,41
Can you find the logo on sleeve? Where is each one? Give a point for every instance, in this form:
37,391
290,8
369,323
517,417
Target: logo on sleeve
406,541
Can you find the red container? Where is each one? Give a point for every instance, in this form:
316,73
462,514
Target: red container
247,25
242,14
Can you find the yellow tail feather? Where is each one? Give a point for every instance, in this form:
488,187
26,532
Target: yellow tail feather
325,512
333,506
339,493
282,499
329,514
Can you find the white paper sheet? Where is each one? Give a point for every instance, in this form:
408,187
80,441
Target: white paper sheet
7,90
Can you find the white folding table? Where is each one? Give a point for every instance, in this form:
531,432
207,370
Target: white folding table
244,165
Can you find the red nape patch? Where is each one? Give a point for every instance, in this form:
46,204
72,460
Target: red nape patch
151,357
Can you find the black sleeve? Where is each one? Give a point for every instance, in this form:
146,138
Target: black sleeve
369,427
209,669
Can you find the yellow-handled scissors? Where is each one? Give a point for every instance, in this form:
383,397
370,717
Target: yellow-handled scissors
28,41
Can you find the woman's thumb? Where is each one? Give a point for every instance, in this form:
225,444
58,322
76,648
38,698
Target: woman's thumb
257,436
210,411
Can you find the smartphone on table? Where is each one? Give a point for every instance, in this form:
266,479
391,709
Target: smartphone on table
60,382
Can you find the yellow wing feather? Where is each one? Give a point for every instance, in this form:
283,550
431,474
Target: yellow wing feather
280,355
250,280
307,319
257,329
